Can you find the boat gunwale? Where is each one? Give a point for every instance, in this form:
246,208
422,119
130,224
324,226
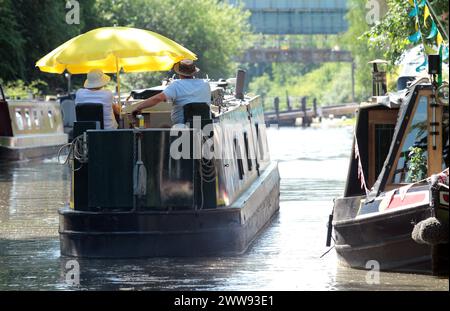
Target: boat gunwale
66,210
373,217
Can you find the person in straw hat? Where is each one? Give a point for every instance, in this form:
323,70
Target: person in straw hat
184,91
93,92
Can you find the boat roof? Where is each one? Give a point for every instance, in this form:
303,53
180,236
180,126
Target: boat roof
396,99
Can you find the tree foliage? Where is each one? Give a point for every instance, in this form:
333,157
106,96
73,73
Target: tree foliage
11,63
214,30
329,83
417,165
29,29
362,53
391,34
386,38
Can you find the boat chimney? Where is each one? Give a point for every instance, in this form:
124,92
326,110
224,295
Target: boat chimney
379,85
240,81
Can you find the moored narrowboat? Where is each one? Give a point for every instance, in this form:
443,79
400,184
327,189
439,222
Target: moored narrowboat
138,192
29,129
394,211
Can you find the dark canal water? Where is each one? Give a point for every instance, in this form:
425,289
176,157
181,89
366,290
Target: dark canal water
286,256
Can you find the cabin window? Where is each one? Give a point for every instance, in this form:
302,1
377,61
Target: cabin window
28,118
247,152
237,154
260,144
35,118
50,118
19,120
413,160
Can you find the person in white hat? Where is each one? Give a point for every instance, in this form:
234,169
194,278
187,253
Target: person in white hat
93,92
184,91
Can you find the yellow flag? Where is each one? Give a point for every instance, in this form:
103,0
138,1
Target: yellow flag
411,2
426,14
439,39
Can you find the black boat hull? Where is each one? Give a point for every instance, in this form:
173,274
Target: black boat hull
386,239
209,232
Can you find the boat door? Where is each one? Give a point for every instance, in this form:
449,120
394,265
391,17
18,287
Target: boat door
5,120
381,127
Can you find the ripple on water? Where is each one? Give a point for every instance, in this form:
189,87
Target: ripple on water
286,255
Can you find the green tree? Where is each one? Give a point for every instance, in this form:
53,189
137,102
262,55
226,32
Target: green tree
391,34
43,27
29,29
330,84
12,55
214,30
387,38
261,85
362,52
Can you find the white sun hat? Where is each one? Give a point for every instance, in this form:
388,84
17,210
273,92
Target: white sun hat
95,79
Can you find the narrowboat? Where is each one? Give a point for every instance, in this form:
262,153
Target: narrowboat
29,129
394,212
151,190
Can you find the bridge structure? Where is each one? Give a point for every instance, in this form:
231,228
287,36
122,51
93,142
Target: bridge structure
296,17
303,55
306,17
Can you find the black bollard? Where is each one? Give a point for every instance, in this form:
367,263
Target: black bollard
315,107
288,102
305,122
276,104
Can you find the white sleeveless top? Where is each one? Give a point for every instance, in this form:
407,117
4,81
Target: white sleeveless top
104,97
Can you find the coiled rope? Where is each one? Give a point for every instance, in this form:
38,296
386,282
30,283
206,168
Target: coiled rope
77,150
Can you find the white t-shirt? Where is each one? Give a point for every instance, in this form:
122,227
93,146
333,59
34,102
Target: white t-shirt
104,97
186,91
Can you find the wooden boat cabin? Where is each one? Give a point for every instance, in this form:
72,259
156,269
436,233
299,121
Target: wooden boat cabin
29,129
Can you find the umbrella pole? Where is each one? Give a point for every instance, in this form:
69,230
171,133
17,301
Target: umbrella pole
118,90
118,80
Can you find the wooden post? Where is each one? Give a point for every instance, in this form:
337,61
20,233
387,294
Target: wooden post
276,104
353,81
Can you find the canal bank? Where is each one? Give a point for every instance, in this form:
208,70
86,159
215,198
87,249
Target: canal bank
286,256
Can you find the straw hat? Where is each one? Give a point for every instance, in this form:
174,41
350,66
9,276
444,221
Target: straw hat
95,79
186,68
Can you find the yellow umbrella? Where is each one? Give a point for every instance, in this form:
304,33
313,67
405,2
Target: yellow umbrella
114,48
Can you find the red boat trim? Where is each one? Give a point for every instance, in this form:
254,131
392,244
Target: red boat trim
412,199
443,198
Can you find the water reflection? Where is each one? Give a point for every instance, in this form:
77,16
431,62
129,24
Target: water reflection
29,194
286,256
